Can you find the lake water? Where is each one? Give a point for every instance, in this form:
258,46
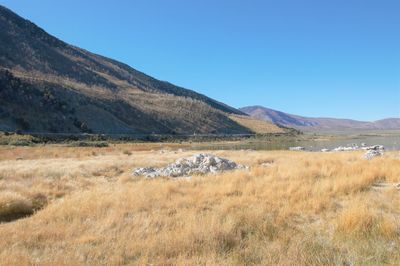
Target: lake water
389,142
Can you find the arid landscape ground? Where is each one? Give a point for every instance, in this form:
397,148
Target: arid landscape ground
84,207
103,164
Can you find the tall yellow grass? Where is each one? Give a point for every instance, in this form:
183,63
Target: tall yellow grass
290,208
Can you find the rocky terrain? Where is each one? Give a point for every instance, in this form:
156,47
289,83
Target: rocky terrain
194,165
317,124
371,151
372,154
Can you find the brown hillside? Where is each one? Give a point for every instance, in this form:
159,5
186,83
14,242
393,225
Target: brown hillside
50,86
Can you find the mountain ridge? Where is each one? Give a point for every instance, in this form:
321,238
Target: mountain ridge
317,123
48,85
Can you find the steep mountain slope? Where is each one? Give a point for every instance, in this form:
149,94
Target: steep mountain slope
310,123
50,86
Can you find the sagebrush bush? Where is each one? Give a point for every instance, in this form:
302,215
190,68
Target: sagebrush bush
98,144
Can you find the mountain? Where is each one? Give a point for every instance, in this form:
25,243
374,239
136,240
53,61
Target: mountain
388,123
47,85
311,123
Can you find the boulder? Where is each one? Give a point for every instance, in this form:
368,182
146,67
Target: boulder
370,154
342,148
196,164
297,148
374,148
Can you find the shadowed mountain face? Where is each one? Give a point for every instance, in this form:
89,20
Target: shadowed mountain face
50,86
311,123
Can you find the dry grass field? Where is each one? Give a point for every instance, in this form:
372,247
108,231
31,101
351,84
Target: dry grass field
256,125
290,208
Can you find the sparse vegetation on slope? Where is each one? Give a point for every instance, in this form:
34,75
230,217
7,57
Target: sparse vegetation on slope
291,208
256,125
65,89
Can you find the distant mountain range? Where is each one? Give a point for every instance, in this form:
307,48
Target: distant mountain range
47,85
316,124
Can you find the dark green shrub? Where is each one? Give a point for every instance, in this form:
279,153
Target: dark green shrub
97,144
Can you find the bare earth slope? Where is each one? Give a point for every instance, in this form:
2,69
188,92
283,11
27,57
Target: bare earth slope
311,123
50,86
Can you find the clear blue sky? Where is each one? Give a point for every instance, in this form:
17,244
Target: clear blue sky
336,58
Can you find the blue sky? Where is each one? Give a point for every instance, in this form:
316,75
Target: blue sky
311,57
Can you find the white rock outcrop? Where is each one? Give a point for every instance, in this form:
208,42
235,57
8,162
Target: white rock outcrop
348,148
355,147
196,164
370,154
374,147
297,148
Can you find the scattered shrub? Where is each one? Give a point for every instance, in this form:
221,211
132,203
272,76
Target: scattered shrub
126,152
20,143
97,144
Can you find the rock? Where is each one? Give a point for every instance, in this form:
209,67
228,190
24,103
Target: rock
374,148
354,147
341,148
266,164
325,150
196,164
297,148
370,154
148,171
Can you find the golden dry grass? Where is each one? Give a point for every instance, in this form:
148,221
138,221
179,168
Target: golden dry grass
290,208
256,125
